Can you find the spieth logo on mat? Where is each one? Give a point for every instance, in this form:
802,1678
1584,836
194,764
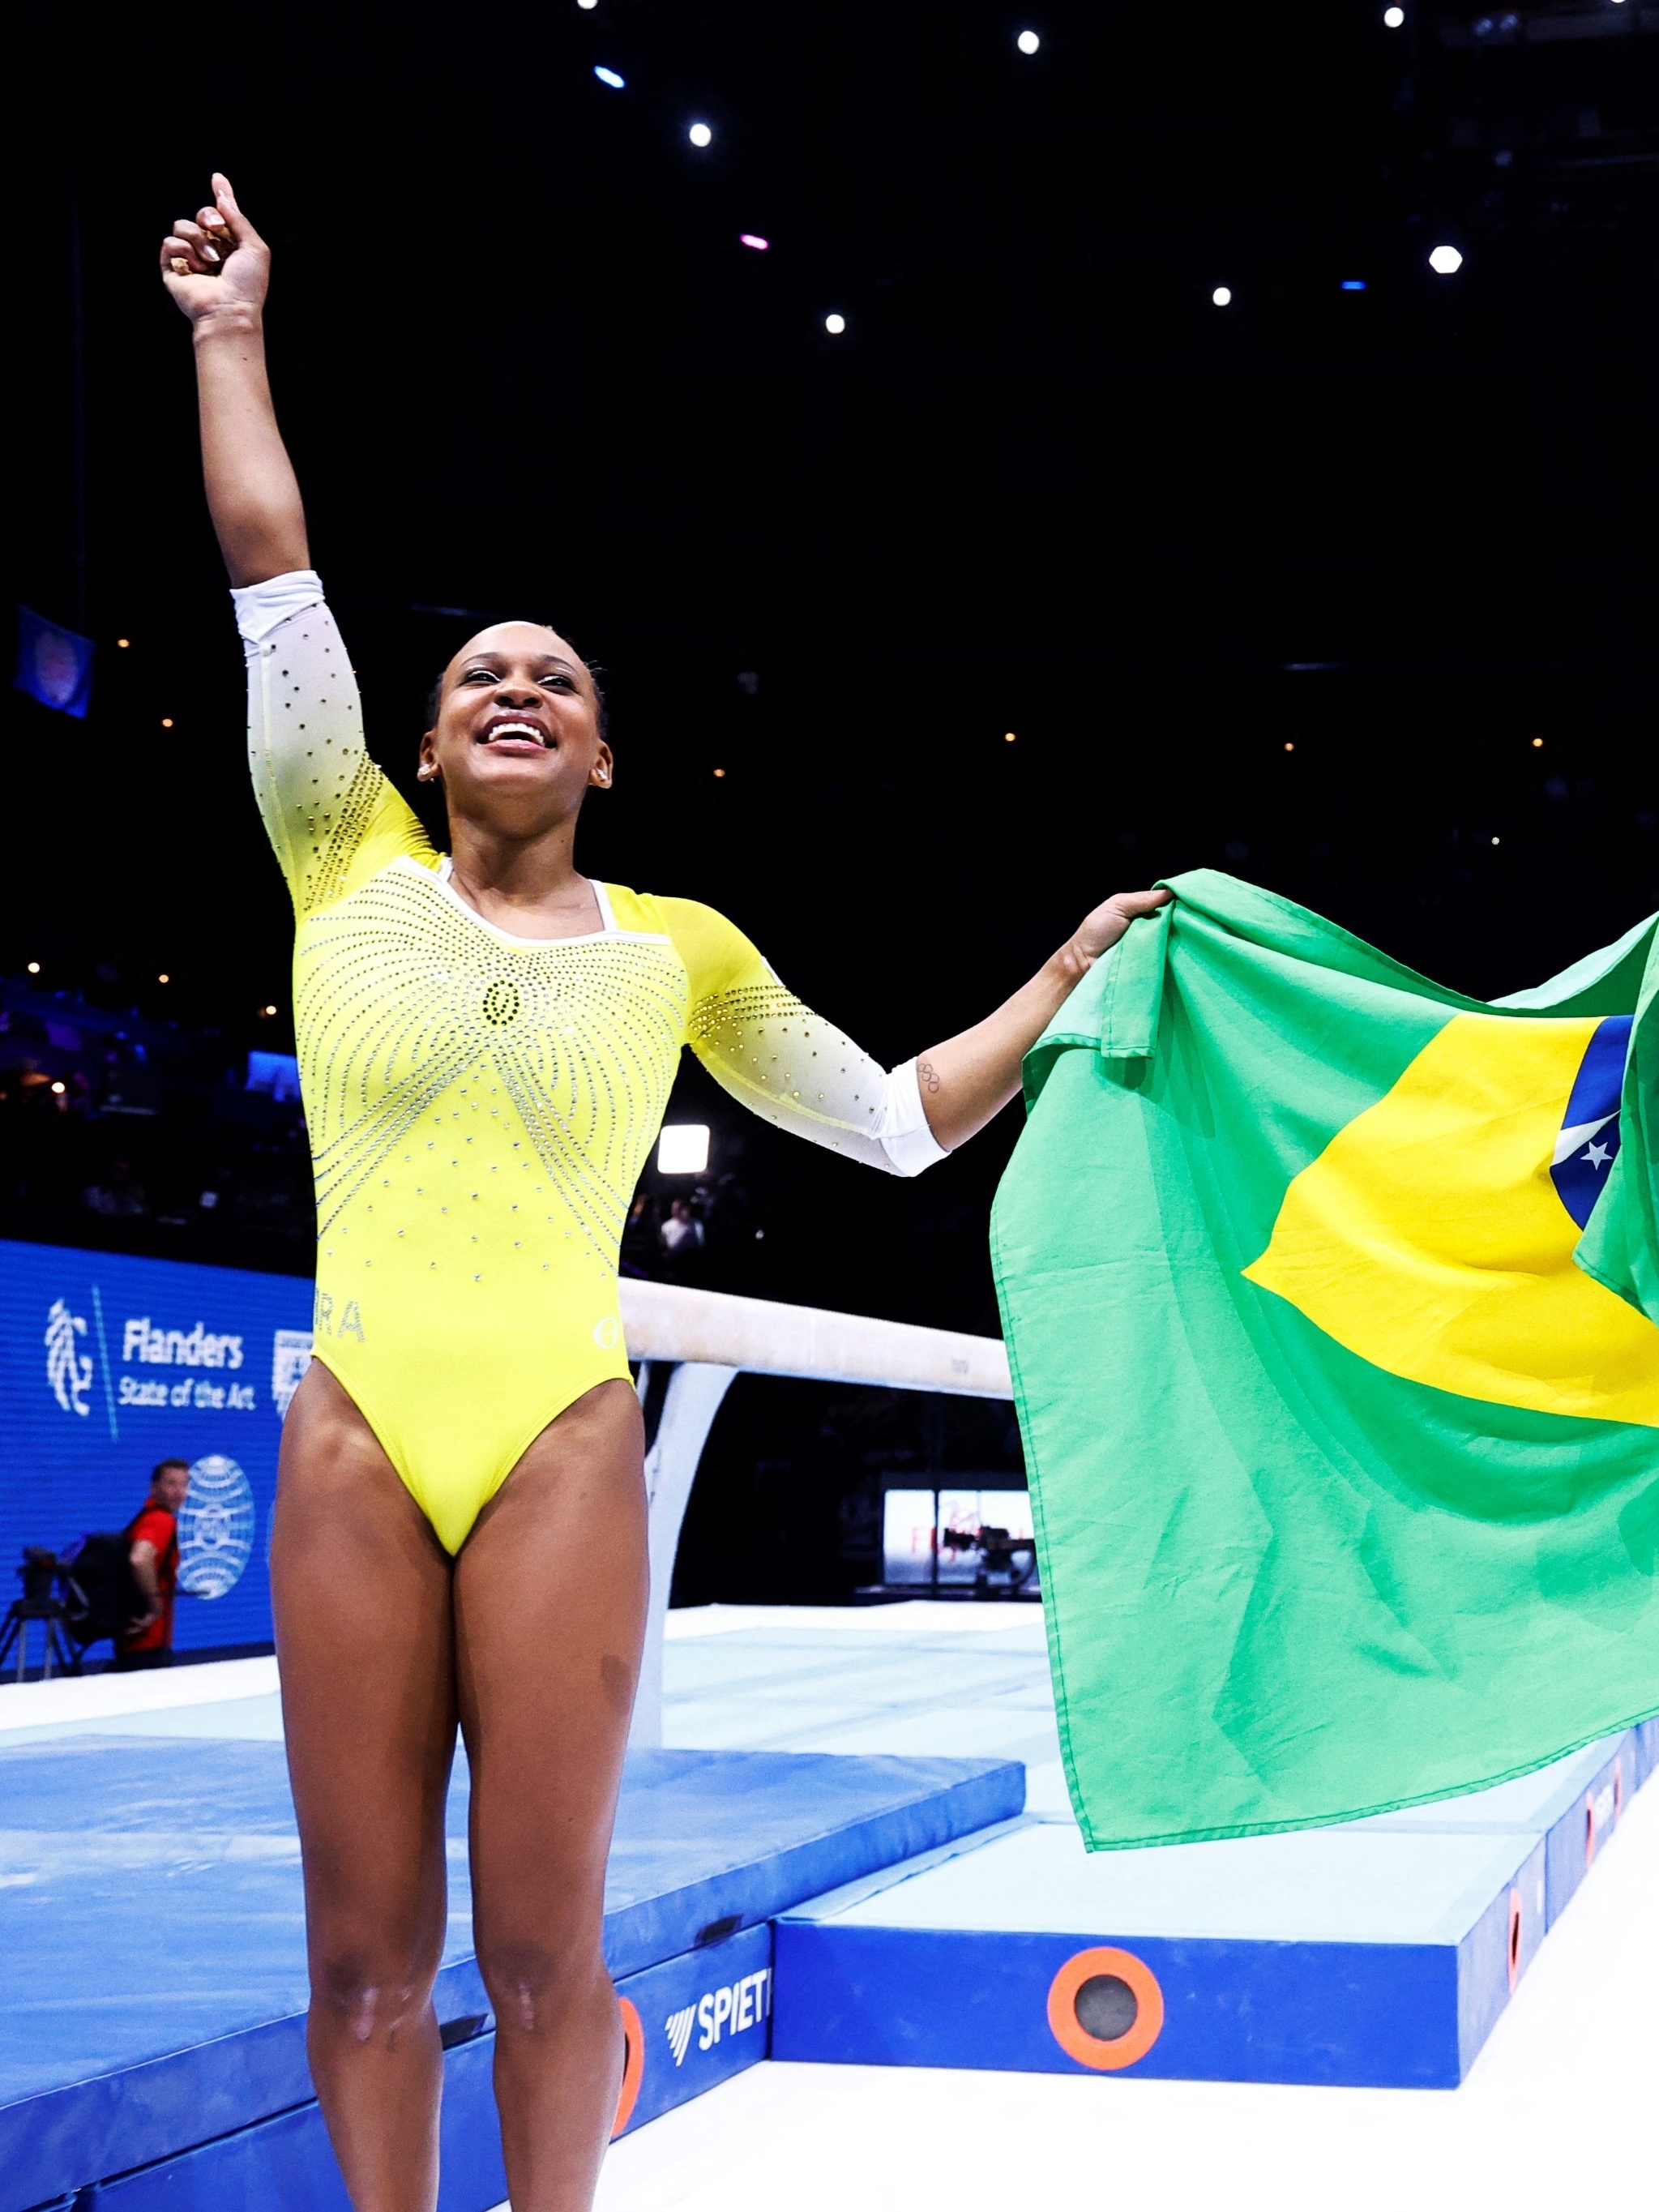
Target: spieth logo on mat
68,1373
721,2012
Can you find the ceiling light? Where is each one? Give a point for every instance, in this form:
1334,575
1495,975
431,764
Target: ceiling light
701,135
35,967
1222,296
1028,42
683,1148
834,324
1445,261
1394,17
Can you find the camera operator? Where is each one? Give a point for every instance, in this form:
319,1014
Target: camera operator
154,1538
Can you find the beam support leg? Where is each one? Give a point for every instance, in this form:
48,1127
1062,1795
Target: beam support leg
693,1399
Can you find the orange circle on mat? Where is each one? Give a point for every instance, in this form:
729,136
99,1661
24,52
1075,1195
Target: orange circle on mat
1105,2055
633,2064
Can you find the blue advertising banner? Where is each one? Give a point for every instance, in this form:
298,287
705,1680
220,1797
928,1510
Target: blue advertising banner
108,1364
54,665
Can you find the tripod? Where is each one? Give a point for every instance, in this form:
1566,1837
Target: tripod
40,1601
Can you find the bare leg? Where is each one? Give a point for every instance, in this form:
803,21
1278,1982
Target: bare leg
550,1617
361,1589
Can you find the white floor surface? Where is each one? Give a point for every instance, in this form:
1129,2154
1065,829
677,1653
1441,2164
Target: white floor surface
1558,2111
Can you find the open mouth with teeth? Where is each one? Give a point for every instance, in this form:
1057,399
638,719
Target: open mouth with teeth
512,735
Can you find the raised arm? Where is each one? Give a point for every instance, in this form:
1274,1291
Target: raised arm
970,1078
218,268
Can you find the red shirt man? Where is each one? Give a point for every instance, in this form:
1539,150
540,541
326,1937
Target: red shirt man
153,1536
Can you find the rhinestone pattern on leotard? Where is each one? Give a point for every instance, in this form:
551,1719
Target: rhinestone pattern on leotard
480,1107
567,1051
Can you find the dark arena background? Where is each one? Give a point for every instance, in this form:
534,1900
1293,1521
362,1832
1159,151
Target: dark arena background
1156,504
995,456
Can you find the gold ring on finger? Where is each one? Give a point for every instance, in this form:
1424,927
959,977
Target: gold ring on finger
180,267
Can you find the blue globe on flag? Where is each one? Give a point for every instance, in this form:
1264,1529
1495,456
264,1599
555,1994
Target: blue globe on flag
216,1525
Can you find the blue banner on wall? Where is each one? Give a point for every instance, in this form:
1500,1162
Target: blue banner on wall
54,665
108,1364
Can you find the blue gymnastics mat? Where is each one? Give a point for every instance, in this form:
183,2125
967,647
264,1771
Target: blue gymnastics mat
153,1979
1377,1954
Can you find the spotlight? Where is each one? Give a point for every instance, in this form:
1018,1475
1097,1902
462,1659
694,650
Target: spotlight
588,3
1537,744
1028,42
748,237
1445,261
167,721
1290,745
164,979
719,775
1394,17
834,324
35,967
610,77
124,642
683,1148
58,1090
1494,840
1353,283
701,135
1011,737
1222,296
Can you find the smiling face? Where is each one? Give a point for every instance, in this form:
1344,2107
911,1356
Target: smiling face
516,744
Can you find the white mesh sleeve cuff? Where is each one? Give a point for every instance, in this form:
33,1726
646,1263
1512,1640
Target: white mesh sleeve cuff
902,1131
262,608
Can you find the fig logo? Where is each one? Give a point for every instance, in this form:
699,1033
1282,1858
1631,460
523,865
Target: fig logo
68,1373
677,2028
216,1524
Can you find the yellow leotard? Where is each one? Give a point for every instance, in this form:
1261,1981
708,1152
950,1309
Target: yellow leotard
481,1105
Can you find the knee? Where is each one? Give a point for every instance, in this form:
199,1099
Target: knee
536,1982
370,1997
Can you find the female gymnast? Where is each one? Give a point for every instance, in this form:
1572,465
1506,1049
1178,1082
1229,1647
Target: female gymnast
486,1041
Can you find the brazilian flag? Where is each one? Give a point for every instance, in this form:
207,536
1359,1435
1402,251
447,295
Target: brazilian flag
1331,1297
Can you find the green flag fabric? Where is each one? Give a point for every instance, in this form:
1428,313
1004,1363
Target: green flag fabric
1332,1301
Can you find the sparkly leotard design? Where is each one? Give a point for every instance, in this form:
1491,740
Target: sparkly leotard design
481,1105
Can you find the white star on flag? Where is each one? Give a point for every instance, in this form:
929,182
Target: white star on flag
1597,1155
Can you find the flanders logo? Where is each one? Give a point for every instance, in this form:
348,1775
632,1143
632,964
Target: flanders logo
69,1372
677,2028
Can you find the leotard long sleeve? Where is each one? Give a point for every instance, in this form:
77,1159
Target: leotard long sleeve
481,1104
